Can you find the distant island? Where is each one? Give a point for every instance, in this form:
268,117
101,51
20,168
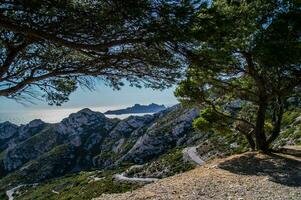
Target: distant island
137,108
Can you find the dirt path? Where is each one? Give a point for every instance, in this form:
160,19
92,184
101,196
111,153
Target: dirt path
122,177
190,154
10,193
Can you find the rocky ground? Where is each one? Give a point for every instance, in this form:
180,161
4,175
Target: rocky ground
244,176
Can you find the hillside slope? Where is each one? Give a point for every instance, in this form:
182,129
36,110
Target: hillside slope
74,150
244,176
88,140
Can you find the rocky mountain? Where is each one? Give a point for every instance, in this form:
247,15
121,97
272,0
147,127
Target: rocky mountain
88,140
137,108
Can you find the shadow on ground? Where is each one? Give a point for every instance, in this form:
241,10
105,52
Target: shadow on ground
278,168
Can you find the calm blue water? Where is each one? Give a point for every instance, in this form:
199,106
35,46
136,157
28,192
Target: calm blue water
51,115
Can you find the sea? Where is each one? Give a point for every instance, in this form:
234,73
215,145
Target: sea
53,115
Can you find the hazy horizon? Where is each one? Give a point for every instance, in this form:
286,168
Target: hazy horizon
102,99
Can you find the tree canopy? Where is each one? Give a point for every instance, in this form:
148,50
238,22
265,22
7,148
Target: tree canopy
54,46
247,57
244,56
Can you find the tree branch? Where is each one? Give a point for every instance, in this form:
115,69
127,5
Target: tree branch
40,34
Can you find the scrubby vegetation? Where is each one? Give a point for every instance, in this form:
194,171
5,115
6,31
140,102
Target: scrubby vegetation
291,132
224,142
166,165
81,186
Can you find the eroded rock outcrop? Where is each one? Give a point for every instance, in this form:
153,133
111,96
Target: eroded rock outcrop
90,140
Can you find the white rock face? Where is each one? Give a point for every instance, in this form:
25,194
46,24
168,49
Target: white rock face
75,122
137,121
89,139
162,133
121,127
117,145
178,129
130,124
189,115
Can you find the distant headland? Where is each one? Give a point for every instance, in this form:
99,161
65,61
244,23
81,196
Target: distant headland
137,108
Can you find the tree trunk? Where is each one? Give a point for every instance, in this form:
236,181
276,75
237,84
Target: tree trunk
248,136
251,141
278,114
261,143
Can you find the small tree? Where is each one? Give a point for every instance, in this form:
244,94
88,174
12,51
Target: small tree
248,53
52,46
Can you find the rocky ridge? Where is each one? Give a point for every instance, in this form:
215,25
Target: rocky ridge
87,140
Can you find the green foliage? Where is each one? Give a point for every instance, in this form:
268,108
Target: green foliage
209,115
62,88
76,186
291,133
290,116
247,52
3,195
222,143
48,49
168,164
202,124
51,164
175,162
210,120
268,126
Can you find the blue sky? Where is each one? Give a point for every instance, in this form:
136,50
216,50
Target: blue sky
102,96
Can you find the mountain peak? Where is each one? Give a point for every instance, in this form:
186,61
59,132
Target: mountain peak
85,117
35,123
87,111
